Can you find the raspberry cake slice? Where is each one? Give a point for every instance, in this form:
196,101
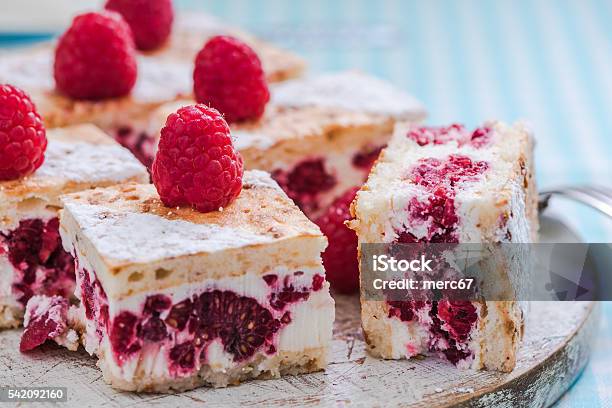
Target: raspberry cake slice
449,185
163,75
172,299
318,136
32,261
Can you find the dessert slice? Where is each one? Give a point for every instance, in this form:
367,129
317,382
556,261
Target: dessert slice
163,75
172,298
32,261
449,185
318,136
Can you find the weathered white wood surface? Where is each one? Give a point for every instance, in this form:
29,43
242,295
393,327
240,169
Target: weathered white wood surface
555,349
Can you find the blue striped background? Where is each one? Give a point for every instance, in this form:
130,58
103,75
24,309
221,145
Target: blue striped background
546,62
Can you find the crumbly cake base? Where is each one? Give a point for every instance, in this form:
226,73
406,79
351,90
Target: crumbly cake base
282,364
10,317
499,334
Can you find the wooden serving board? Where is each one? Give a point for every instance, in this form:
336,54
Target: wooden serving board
554,351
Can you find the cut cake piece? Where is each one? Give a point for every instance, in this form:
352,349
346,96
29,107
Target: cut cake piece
449,185
163,75
32,261
318,136
172,299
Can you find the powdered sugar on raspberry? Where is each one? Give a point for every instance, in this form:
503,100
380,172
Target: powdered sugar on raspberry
349,90
86,162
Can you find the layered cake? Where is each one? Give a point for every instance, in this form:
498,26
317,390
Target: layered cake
449,185
318,136
32,261
172,298
163,75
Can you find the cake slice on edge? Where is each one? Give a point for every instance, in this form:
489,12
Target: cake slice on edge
32,261
172,299
449,185
318,136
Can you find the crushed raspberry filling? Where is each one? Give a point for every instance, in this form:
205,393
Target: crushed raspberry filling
365,158
305,182
449,322
443,134
46,318
243,325
440,179
43,268
141,144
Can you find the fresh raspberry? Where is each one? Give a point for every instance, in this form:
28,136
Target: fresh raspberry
229,77
150,20
340,257
196,163
95,58
23,139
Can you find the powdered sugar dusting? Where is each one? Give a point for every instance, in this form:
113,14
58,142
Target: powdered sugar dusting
143,237
160,80
260,178
348,90
244,139
29,71
87,162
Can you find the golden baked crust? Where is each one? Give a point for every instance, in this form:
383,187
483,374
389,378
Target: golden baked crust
262,229
282,364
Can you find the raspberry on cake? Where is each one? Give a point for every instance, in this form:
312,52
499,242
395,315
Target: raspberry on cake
449,185
196,163
228,76
163,76
95,58
172,299
150,20
22,134
32,261
318,136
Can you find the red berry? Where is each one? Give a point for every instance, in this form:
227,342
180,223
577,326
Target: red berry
229,77
23,139
196,163
95,58
340,257
150,20
47,317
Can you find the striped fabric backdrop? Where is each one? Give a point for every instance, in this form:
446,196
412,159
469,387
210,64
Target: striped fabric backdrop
545,62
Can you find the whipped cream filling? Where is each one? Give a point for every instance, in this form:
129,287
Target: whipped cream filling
310,326
412,338
7,276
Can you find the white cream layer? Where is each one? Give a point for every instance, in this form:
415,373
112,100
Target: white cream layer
311,325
